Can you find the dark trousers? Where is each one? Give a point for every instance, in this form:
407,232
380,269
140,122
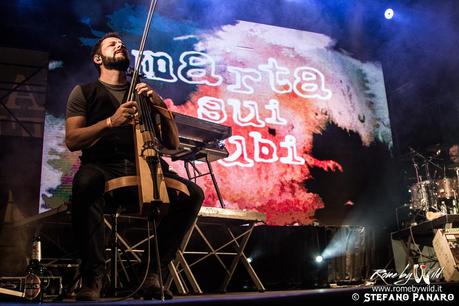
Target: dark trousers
88,206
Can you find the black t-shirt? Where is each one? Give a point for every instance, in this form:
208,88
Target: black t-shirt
77,104
451,169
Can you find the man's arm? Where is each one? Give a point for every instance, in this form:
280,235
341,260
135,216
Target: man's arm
78,136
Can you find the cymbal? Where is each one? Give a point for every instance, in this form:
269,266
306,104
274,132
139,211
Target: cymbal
420,159
432,148
437,148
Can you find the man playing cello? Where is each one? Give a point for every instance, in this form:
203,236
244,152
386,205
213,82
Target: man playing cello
99,123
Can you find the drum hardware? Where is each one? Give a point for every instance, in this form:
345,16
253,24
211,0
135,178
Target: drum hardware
434,193
427,163
422,195
446,188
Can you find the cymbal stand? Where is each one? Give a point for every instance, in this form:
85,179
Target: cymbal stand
416,170
426,162
415,164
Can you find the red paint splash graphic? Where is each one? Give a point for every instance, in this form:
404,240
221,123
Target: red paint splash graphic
275,189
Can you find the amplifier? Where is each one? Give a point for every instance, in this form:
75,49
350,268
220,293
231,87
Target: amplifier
446,246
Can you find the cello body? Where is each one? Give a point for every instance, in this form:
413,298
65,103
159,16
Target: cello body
150,178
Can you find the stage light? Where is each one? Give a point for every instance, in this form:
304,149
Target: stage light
319,259
249,259
389,13
55,65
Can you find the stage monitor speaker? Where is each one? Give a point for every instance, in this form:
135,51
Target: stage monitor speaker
446,246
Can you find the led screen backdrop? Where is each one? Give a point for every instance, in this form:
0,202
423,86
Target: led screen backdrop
276,87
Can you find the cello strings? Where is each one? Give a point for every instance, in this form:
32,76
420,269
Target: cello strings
147,122
145,119
151,152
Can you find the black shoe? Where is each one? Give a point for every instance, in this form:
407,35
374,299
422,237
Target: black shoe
152,289
90,291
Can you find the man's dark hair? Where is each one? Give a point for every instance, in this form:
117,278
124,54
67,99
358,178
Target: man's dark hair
96,48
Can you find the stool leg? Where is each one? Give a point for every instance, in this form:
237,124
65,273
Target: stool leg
114,263
158,260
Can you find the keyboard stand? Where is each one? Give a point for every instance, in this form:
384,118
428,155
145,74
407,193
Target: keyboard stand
229,221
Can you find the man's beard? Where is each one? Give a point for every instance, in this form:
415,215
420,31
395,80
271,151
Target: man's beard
114,63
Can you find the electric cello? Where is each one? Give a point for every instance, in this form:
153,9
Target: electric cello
147,128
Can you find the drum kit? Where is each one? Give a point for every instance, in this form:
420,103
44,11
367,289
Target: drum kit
436,188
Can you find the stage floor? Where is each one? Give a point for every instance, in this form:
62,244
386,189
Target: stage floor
291,297
343,295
